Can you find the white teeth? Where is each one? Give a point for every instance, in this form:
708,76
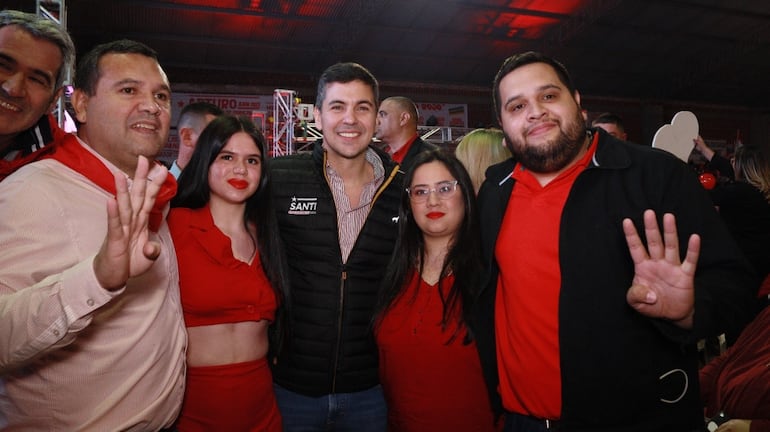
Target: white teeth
9,107
349,134
144,126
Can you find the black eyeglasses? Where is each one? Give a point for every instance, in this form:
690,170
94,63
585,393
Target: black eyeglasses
444,190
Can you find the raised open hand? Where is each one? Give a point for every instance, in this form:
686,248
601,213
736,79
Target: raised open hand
663,285
128,249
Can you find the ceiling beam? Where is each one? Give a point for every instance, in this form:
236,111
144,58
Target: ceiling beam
335,22
298,48
717,10
255,12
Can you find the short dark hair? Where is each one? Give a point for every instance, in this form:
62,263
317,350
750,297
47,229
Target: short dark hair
42,28
609,118
516,61
199,109
88,73
407,105
345,73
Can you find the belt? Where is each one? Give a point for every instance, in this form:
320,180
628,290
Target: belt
550,425
525,422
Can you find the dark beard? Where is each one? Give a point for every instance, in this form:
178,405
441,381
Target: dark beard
556,154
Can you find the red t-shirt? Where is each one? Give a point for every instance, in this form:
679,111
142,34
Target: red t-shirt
738,381
429,385
527,302
399,155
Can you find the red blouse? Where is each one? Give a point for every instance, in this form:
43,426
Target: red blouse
429,385
216,287
738,381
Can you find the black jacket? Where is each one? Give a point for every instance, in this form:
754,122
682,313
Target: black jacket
329,347
614,361
417,147
746,213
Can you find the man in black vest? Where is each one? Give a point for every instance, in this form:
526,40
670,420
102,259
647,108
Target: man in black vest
337,210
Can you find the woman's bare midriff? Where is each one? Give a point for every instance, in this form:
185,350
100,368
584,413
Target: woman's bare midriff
221,344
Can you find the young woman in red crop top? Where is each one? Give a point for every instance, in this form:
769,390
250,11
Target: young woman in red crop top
230,280
429,367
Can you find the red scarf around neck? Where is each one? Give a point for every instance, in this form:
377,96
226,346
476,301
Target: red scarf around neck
72,154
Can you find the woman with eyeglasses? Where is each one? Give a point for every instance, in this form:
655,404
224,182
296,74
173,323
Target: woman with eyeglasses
429,366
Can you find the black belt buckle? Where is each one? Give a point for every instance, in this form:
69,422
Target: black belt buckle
551,424
528,422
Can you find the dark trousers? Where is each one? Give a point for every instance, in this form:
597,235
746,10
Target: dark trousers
520,423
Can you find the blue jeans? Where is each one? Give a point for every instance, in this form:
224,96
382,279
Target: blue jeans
363,411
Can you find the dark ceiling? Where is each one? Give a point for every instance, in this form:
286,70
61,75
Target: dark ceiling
706,51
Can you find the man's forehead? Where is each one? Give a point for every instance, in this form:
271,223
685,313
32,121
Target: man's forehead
15,40
123,67
532,73
524,86
386,108
355,89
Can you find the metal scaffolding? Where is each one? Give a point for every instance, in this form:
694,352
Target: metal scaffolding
56,11
283,122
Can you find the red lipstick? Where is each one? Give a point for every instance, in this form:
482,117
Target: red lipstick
435,215
238,184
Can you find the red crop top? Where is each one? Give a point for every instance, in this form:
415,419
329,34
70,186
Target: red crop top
215,287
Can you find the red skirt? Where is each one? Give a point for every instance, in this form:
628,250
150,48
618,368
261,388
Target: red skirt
235,397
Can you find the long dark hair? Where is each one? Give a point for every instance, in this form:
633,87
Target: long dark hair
193,192
463,258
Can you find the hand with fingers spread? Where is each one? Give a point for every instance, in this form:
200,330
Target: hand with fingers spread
128,249
663,285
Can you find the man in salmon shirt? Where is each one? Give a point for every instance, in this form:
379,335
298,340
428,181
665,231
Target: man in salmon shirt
92,333
583,325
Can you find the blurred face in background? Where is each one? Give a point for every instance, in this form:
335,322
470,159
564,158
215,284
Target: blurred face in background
388,119
28,70
612,129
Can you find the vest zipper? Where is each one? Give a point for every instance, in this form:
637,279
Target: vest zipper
339,331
